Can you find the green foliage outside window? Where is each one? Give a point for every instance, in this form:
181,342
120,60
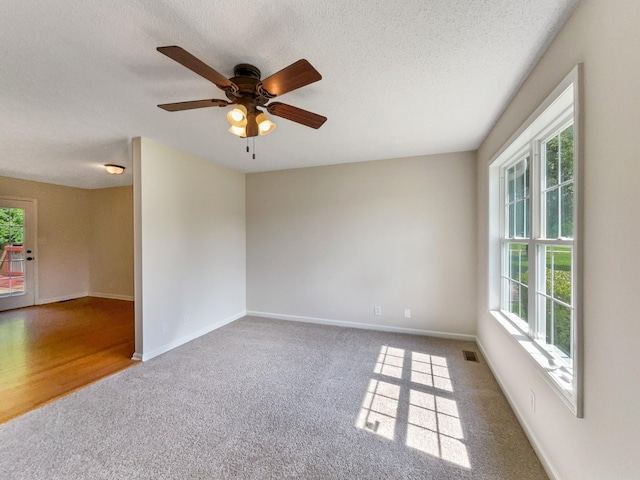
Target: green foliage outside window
11,226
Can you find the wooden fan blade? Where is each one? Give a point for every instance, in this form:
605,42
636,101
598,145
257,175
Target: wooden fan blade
192,63
252,125
294,76
176,107
296,114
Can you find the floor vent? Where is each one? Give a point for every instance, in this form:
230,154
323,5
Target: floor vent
470,356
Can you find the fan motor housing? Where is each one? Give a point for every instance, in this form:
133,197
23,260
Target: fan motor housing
246,77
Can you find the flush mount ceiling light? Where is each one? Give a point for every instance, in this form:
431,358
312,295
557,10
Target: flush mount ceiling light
114,169
247,92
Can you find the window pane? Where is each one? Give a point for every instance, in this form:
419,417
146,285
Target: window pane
518,300
549,320
17,216
551,162
519,262
520,179
566,154
527,217
5,216
562,327
566,208
558,273
561,270
511,175
520,218
524,303
526,177
512,220
551,204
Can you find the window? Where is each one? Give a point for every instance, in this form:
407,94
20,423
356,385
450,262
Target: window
534,187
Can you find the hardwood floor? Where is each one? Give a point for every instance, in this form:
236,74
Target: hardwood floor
49,351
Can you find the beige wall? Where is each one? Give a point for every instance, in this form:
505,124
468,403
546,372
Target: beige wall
190,246
67,226
64,226
111,243
330,243
604,444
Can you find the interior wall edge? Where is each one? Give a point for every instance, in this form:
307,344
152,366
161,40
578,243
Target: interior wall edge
62,298
187,338
112,296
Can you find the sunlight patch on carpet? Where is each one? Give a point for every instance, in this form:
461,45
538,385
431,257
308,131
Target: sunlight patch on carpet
410,400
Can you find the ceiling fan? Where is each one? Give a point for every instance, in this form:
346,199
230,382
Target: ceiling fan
248,92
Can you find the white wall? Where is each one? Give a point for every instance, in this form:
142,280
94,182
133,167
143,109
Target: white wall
190,246
604,444
331,242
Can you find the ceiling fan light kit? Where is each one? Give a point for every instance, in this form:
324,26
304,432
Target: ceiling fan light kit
248,92
238,120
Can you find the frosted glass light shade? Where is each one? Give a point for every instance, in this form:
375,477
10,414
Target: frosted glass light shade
238,116
114,169
239,131
265,126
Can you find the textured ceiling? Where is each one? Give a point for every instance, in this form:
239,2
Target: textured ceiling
80,78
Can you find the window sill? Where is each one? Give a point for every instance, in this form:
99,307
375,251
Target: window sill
553,370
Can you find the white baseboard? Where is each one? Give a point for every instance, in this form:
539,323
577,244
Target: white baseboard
137,357
112,296
144,356
544,459
364,326
73,296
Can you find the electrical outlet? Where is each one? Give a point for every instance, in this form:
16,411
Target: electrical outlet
377,310
533,400
165,327
185,320
407,313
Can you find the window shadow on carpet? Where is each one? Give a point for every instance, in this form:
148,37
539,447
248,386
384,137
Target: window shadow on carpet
410,399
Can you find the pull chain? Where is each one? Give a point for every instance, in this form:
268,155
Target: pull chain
254,147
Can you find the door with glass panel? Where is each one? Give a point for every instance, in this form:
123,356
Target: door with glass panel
17,253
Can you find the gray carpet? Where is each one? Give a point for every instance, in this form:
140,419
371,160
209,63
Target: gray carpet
268,399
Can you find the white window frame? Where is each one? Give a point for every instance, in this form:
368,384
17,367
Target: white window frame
560,109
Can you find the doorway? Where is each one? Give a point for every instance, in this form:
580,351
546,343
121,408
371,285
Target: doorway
17,253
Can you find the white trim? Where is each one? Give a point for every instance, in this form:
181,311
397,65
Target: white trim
72,296
34,227
533,440
112,296
137,357
364,326
561,106
521,135
540,357
144,356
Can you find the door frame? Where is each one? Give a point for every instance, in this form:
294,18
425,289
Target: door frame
34,262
